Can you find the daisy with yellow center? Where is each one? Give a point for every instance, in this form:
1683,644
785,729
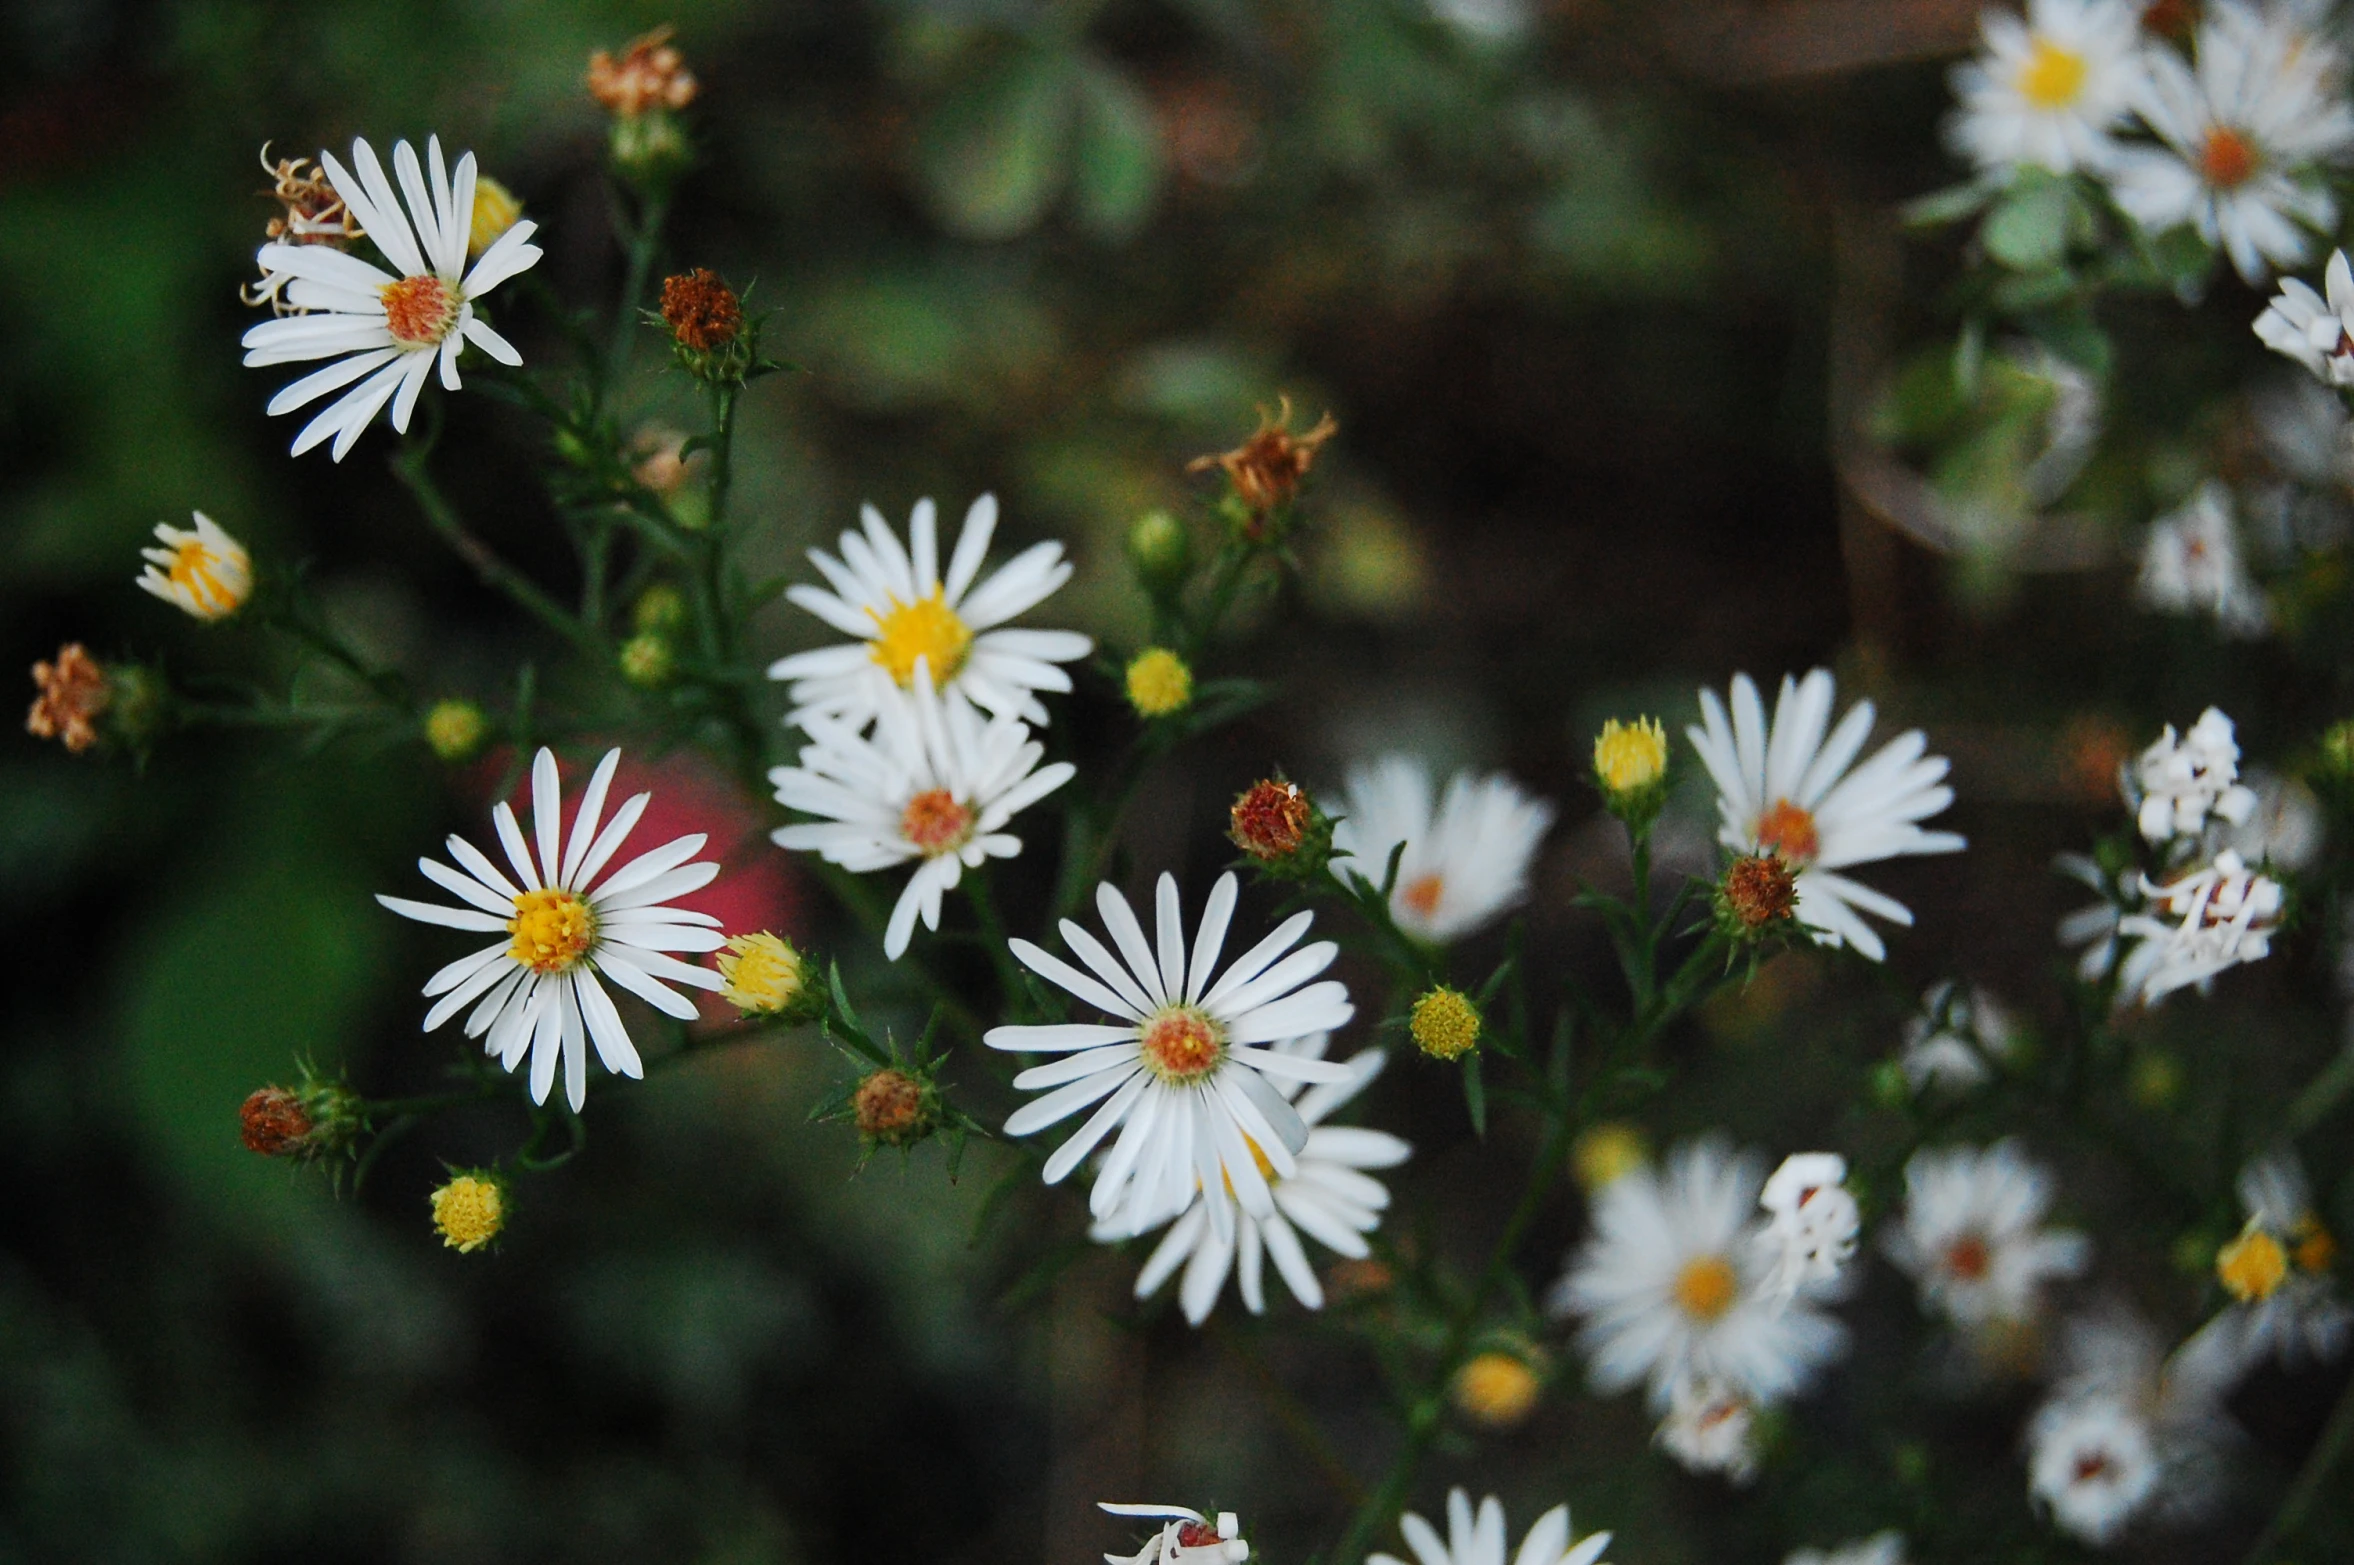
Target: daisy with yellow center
934,786
386,330
564,929
2277,1271
1183,1070
1478,1538
1672,1287
902,613
1465,861
204,572
2049,89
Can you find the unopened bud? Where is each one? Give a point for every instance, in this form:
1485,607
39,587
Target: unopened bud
455,729
470,1210
1161,550
495,211
762,975
893,1108
1608,1153
1630,765
1756,896
659,609
1159,683
646,660
1445,1024
1496,1389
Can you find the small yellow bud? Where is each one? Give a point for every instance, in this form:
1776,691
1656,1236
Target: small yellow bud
2316,1250
1496,1389
2253,1266
455,729
469,1211
1630,757
762,975
659,609
646,660
495,211
1608,1153
1444,1023
1159,683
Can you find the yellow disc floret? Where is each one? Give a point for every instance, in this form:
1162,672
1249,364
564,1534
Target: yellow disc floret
1159,683
552,929
2053,77
1706,1287
1608,1153
927,628
1629,757
761,975
1496,1389
495,211
469,1211
2253,1266
1445,1024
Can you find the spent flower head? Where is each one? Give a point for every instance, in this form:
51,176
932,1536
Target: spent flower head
1280,828
1265,471
708,332
74,693
894,1109
313,1118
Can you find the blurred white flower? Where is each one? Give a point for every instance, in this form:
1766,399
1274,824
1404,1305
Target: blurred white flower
1177,1068
2177,783
2127,1434
2278,1271
1959,1036
1812,1223
204,572
1882,1548
1710,1428
1670,1286
1186,1537
894,601
2191,564
385,330
2049,90
538,989
1331,1199
1479,1538
1462,865
2198,925
1789,790
2095,927
2286,828
1972,1235
934,785
2314,329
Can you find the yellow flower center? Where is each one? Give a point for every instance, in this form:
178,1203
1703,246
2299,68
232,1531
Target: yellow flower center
469,1211
419,311
760,974
2316,1251
2053,77
1706,1287
1159,682
2253,1266
1629,756
196,570
2227,159
1444,1023
1785,829
935,823
1181,1046
552,930
495,211
927,628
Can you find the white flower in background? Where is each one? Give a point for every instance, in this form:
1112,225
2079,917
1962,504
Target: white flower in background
1186,1537
1959,1036
2127,1435
1479,1538
1789,790
2049,90
934,786
1972,1237
2095,927
1811,1224
2191,564
386,330
204,572
2286,828
2313,329
1670,1286
2178,783
1331,1199
902,611
1882,1548
2209,920
2278,1271
1462,865
1710,1428
2242,135
2071,430
1178,1068
567,924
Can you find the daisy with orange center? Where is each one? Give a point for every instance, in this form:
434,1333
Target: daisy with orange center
2049,89
898,607
1465,861
934,785
1973,1236
1182,1070
204,572
1793,789
564,928
386,330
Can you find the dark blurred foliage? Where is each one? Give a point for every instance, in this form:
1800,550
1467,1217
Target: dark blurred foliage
1572,280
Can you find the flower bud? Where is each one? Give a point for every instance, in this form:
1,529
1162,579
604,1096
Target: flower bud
1496,1389
1445,1024
707,328
647,661
1161,550
643,90
455,729
1279,827
495,211
762,975
1159,683
1363,1278
660,610
1607,1153
1630,765
1756,897
470,1210
74,694
894,1109
203,572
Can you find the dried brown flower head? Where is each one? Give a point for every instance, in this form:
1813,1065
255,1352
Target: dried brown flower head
1758,890
1266,469
890,1107
314,214
1270,820
649,75
700,310
74,691
273,1122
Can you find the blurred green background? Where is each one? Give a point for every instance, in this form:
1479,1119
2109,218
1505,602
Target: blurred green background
1580,281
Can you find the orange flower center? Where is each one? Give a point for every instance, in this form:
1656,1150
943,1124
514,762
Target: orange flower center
935,823
419,311
1968,1258
1181,1045
552,929
2092,1466
1786,829
2227,159
1706,1287
1422,894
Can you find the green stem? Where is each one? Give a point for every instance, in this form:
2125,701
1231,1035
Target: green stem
644,240
383,683
410,468
2314,1104
1009,972
2327,1452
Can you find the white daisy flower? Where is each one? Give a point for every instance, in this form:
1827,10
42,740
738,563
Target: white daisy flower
2243,133
893,599
568,924
1178,1068
1881,1548
933,785
2316,331
2092,1462
2191,564
1462,865
1710,1428
205,572
1812,1223
2050,89
1332,1199
2198,925
1186,1537
1960,1035
1671,1287
2286,828
1789,790
2127,1434
1478,1539
2177,783
2278,1271
386,330
1972,1237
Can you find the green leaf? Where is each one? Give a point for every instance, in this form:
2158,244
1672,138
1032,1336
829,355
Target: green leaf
1119,154
996,153
1475,1095
2028,229
1949,205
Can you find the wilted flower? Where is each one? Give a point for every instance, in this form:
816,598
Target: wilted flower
2177,783
74,693
649,75
1710,1428
1265,470
2198,925
1271,820
892,1108
1812,1223
1959,1036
